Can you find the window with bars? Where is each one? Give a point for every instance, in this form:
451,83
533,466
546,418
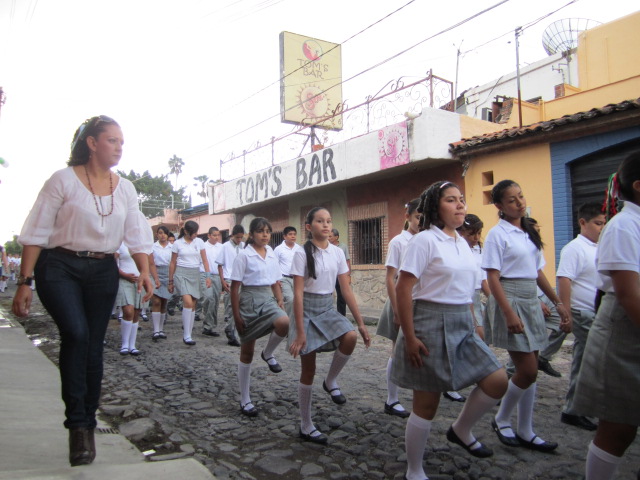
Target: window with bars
276,239
366,241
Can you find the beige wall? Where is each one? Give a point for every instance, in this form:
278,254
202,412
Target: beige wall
530,168
337,198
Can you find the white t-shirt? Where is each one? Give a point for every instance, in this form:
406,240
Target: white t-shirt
329,262
188,253
125,261
509,249
65,215
161,255
285,256
444,266
253,270
227,255
212,253
477,254
396,249
578,264
619,245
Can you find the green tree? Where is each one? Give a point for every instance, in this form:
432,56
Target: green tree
155,193
175,167
202,181
13,246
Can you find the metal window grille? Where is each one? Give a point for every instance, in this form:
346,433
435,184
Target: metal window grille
276,239
366,241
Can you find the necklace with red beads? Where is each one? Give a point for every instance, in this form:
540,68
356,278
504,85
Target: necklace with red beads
95,200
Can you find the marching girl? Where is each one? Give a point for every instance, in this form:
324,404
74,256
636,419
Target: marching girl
257,306
388,325
129,300
438,349
184,274
471,231
609,379
160,259
318,327
513,260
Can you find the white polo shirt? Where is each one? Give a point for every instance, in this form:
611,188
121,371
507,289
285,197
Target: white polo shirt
619,245
285,256
188,253
330,262
444,266
125,261
161,255
227,255
477,254
578,264
212,252
397,246
509,249
253,270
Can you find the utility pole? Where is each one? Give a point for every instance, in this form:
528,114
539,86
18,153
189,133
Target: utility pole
455,95
518,33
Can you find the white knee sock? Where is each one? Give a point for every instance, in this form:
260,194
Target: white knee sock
125,332
392,388
192,321
525,414
509,402
244,381
416,435
337,364
304,400
186,323
133,335
156,319
272,344
474,408
163,318
600,465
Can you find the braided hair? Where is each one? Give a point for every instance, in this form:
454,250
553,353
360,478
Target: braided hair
430,202
91,127
497,195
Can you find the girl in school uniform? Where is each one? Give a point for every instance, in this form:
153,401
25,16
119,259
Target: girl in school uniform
512,257
318,327
257,305
160,259
129,299
609,379
471,231
388,324
184,274
438,349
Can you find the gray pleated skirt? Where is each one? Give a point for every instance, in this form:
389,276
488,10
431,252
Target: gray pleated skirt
163,276
258,310
478,308
523,298
608,386
128,295
323,324
187,281
386,327
457,356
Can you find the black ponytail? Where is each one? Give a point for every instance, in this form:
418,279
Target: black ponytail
190,227
528,225
497,194
430,202
309,247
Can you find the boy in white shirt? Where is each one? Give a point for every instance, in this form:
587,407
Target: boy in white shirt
225,259
577,280
211,296
285,252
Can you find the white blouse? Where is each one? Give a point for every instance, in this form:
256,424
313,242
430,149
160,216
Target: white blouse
188,253
509,250
329,262
253,270
396,249
64,215
161,255
477,254
125,261
444,266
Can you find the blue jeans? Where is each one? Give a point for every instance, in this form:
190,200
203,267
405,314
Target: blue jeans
79,294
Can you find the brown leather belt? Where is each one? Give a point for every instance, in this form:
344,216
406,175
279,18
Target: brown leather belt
86,253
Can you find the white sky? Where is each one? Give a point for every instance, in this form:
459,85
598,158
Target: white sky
174,73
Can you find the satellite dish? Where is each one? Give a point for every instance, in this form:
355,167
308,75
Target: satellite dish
562,35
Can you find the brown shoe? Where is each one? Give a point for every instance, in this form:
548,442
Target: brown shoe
79,447
92,442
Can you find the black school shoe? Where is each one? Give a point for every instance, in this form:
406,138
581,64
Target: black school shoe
578,421
545,366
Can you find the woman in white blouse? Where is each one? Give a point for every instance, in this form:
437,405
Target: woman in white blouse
159,263
80,218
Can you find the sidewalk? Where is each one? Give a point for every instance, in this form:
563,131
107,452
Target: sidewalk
33,442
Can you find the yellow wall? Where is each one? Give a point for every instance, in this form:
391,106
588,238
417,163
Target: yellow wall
609,53
530,167
470,127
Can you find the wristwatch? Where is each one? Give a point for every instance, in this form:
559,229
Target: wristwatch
22,280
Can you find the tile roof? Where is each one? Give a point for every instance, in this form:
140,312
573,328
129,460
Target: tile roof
467,144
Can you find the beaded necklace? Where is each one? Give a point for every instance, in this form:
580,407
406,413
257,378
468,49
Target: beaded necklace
95,200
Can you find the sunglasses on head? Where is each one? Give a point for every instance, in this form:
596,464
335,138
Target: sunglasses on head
87,125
